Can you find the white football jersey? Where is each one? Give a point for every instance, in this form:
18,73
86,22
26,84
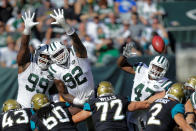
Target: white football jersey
77,77
33,80
143,87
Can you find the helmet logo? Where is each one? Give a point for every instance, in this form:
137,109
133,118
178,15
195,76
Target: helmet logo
73,62
156,87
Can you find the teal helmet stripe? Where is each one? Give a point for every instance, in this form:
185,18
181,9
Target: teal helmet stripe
162,59
159,58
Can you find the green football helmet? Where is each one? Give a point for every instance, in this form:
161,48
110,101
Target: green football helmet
191,82
10,105
176,91
39,100
105,88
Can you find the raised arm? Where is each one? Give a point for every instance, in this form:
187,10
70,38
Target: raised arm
77,44
23,57
122,60
124,65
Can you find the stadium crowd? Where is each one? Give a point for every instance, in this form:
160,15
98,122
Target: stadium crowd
104,26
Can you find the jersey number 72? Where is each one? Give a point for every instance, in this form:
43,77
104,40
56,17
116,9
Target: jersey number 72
106,105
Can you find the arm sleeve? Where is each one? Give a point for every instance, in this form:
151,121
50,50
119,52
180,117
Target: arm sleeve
87,107
67,104
178,108
33,123
33,126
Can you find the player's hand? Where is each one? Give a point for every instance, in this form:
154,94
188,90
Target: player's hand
127,50
80,102
59,17
60,20
28,22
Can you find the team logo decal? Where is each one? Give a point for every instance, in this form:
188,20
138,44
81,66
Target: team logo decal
73,62
156,86
50,77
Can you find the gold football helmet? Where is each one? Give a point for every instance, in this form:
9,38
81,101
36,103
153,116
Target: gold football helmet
105,88
191,82
176,91
10,105
39,100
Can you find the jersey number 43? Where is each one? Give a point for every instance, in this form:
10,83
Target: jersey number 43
20,117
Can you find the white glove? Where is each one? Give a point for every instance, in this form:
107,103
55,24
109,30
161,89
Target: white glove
28,21
79,102
61,21
127,50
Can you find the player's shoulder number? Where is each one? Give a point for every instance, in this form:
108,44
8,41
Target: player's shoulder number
107,105
20,117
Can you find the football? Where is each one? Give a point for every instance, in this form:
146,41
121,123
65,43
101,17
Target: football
158,44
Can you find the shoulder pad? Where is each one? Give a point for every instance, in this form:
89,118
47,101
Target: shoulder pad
139,66
165,83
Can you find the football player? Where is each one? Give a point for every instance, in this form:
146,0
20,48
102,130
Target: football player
190,86
50,116
71,65
147,82
14,118
108,110
32,68
165,112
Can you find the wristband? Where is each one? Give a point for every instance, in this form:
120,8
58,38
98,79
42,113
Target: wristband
187,113
26,31
192,125
70,31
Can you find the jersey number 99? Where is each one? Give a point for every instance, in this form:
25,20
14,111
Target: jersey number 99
36,81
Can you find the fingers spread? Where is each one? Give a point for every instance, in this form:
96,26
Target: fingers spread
54,23
26,15
62,12
53,16
35,23
32,16
55,13
59,11
29,14
23,18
